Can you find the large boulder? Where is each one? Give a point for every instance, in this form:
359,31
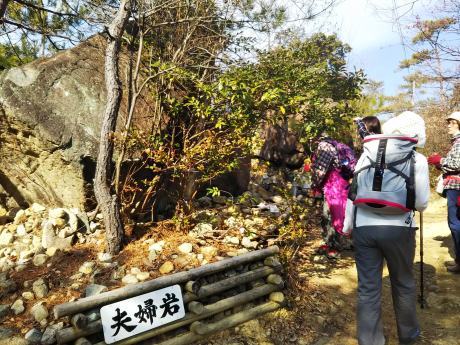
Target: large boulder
51,112
50,118
281,147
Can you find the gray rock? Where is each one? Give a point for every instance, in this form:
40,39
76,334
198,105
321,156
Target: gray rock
39,312
40,288
5,333
143,276
49,238
28,295
73,222
232,240
37,243
82,341
18,307
182,261
94,289
104,257
205,201
231,222
157,247
219,199
247,243
51,251
37,208
87,267
185,248
21,230
201,229
55,213
166,268
129,279
48,234
208,252
26,254
40,259
49,336
7,286
4,308
33,336
152,256
277,199
20,217
6,238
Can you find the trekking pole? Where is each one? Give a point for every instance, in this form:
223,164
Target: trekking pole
422,297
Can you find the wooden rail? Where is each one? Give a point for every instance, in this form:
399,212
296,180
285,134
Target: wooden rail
242,287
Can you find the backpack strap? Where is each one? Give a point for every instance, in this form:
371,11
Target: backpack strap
410,180
379,165
402,160
410,200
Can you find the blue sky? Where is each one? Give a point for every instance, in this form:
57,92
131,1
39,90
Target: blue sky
368,27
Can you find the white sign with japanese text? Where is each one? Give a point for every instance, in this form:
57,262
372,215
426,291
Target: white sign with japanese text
138,314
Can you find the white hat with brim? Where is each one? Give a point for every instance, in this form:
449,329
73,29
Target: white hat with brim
454,116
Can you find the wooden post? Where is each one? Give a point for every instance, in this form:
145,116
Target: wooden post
196,308
66,335
79,321
228,322
192,286
210,289
105,298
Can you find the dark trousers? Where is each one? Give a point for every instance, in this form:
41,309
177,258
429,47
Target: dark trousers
396,245
453,220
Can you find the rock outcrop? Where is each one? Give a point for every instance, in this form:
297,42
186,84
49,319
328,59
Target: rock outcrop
282,147
50,117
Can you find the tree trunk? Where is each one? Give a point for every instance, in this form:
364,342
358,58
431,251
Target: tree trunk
3,5
106,198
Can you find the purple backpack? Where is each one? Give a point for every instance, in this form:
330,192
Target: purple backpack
346,158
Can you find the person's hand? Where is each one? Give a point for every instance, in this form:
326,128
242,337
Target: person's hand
435,159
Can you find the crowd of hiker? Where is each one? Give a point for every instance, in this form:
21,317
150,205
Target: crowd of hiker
370,204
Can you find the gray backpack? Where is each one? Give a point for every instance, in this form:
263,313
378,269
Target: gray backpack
385,181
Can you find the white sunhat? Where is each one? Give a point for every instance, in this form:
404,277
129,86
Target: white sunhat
407,123
454,116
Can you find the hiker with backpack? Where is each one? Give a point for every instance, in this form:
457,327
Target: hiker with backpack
390,182
450,167
332,168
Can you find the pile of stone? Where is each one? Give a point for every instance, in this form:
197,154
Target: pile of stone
35,234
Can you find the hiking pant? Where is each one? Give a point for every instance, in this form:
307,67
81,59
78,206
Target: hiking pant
452,219
396,245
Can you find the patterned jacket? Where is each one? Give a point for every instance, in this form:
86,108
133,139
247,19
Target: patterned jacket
325,159
450,165
362,130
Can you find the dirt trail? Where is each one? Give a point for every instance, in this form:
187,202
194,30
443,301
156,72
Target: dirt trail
440,320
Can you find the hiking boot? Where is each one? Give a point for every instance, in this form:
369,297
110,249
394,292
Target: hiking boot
410,341
323,249
333,254
454,269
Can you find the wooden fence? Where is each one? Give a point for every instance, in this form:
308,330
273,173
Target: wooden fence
216,297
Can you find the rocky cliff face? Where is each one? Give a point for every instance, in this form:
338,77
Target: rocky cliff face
50,116
50,120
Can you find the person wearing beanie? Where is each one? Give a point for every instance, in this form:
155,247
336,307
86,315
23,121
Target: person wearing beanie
450,167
